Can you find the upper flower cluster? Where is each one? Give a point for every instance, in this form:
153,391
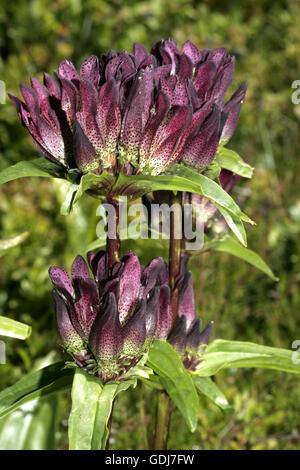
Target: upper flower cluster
136,112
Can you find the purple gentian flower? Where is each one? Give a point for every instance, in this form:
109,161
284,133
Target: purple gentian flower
134,113
108,320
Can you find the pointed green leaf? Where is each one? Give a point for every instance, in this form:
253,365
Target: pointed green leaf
206,386
40,383
7,243
235,224
92,404
179,178
211,190
221,354
177,382
67,205
31,427
13,328
98,185
39,167
229,245
230,160
88,426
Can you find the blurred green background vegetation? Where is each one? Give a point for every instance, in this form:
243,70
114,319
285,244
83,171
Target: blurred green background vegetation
264,35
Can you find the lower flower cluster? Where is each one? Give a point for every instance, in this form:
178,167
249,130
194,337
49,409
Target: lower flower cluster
107,322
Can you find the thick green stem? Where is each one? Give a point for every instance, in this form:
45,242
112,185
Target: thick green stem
92,403
175,247
113,243
164,403
162,421
113,252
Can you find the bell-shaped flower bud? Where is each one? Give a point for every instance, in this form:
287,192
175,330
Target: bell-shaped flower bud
106,337
178,337
186,301
71,340
135,331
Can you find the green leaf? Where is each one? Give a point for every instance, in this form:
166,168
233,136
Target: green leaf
230,160
92,405
40,383
221,354
67,205
39,167
206,386
31,427
153,382
88,426
98,185
165,361
235,224
13,328
211,190
229,245
7,243
178,178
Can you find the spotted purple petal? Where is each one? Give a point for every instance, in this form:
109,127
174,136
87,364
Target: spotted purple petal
186,301
106,336
204,336
135,330
137,112
79,268
200,151
150,274
67,70
192,51
130,282
62,281
204,79
90,70
140,52
233,107
84,152
194,337
98,265
87,303
151,313
165,315
52,86
70,338
178,337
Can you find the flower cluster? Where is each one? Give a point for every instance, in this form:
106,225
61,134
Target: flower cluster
134,113
107,322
